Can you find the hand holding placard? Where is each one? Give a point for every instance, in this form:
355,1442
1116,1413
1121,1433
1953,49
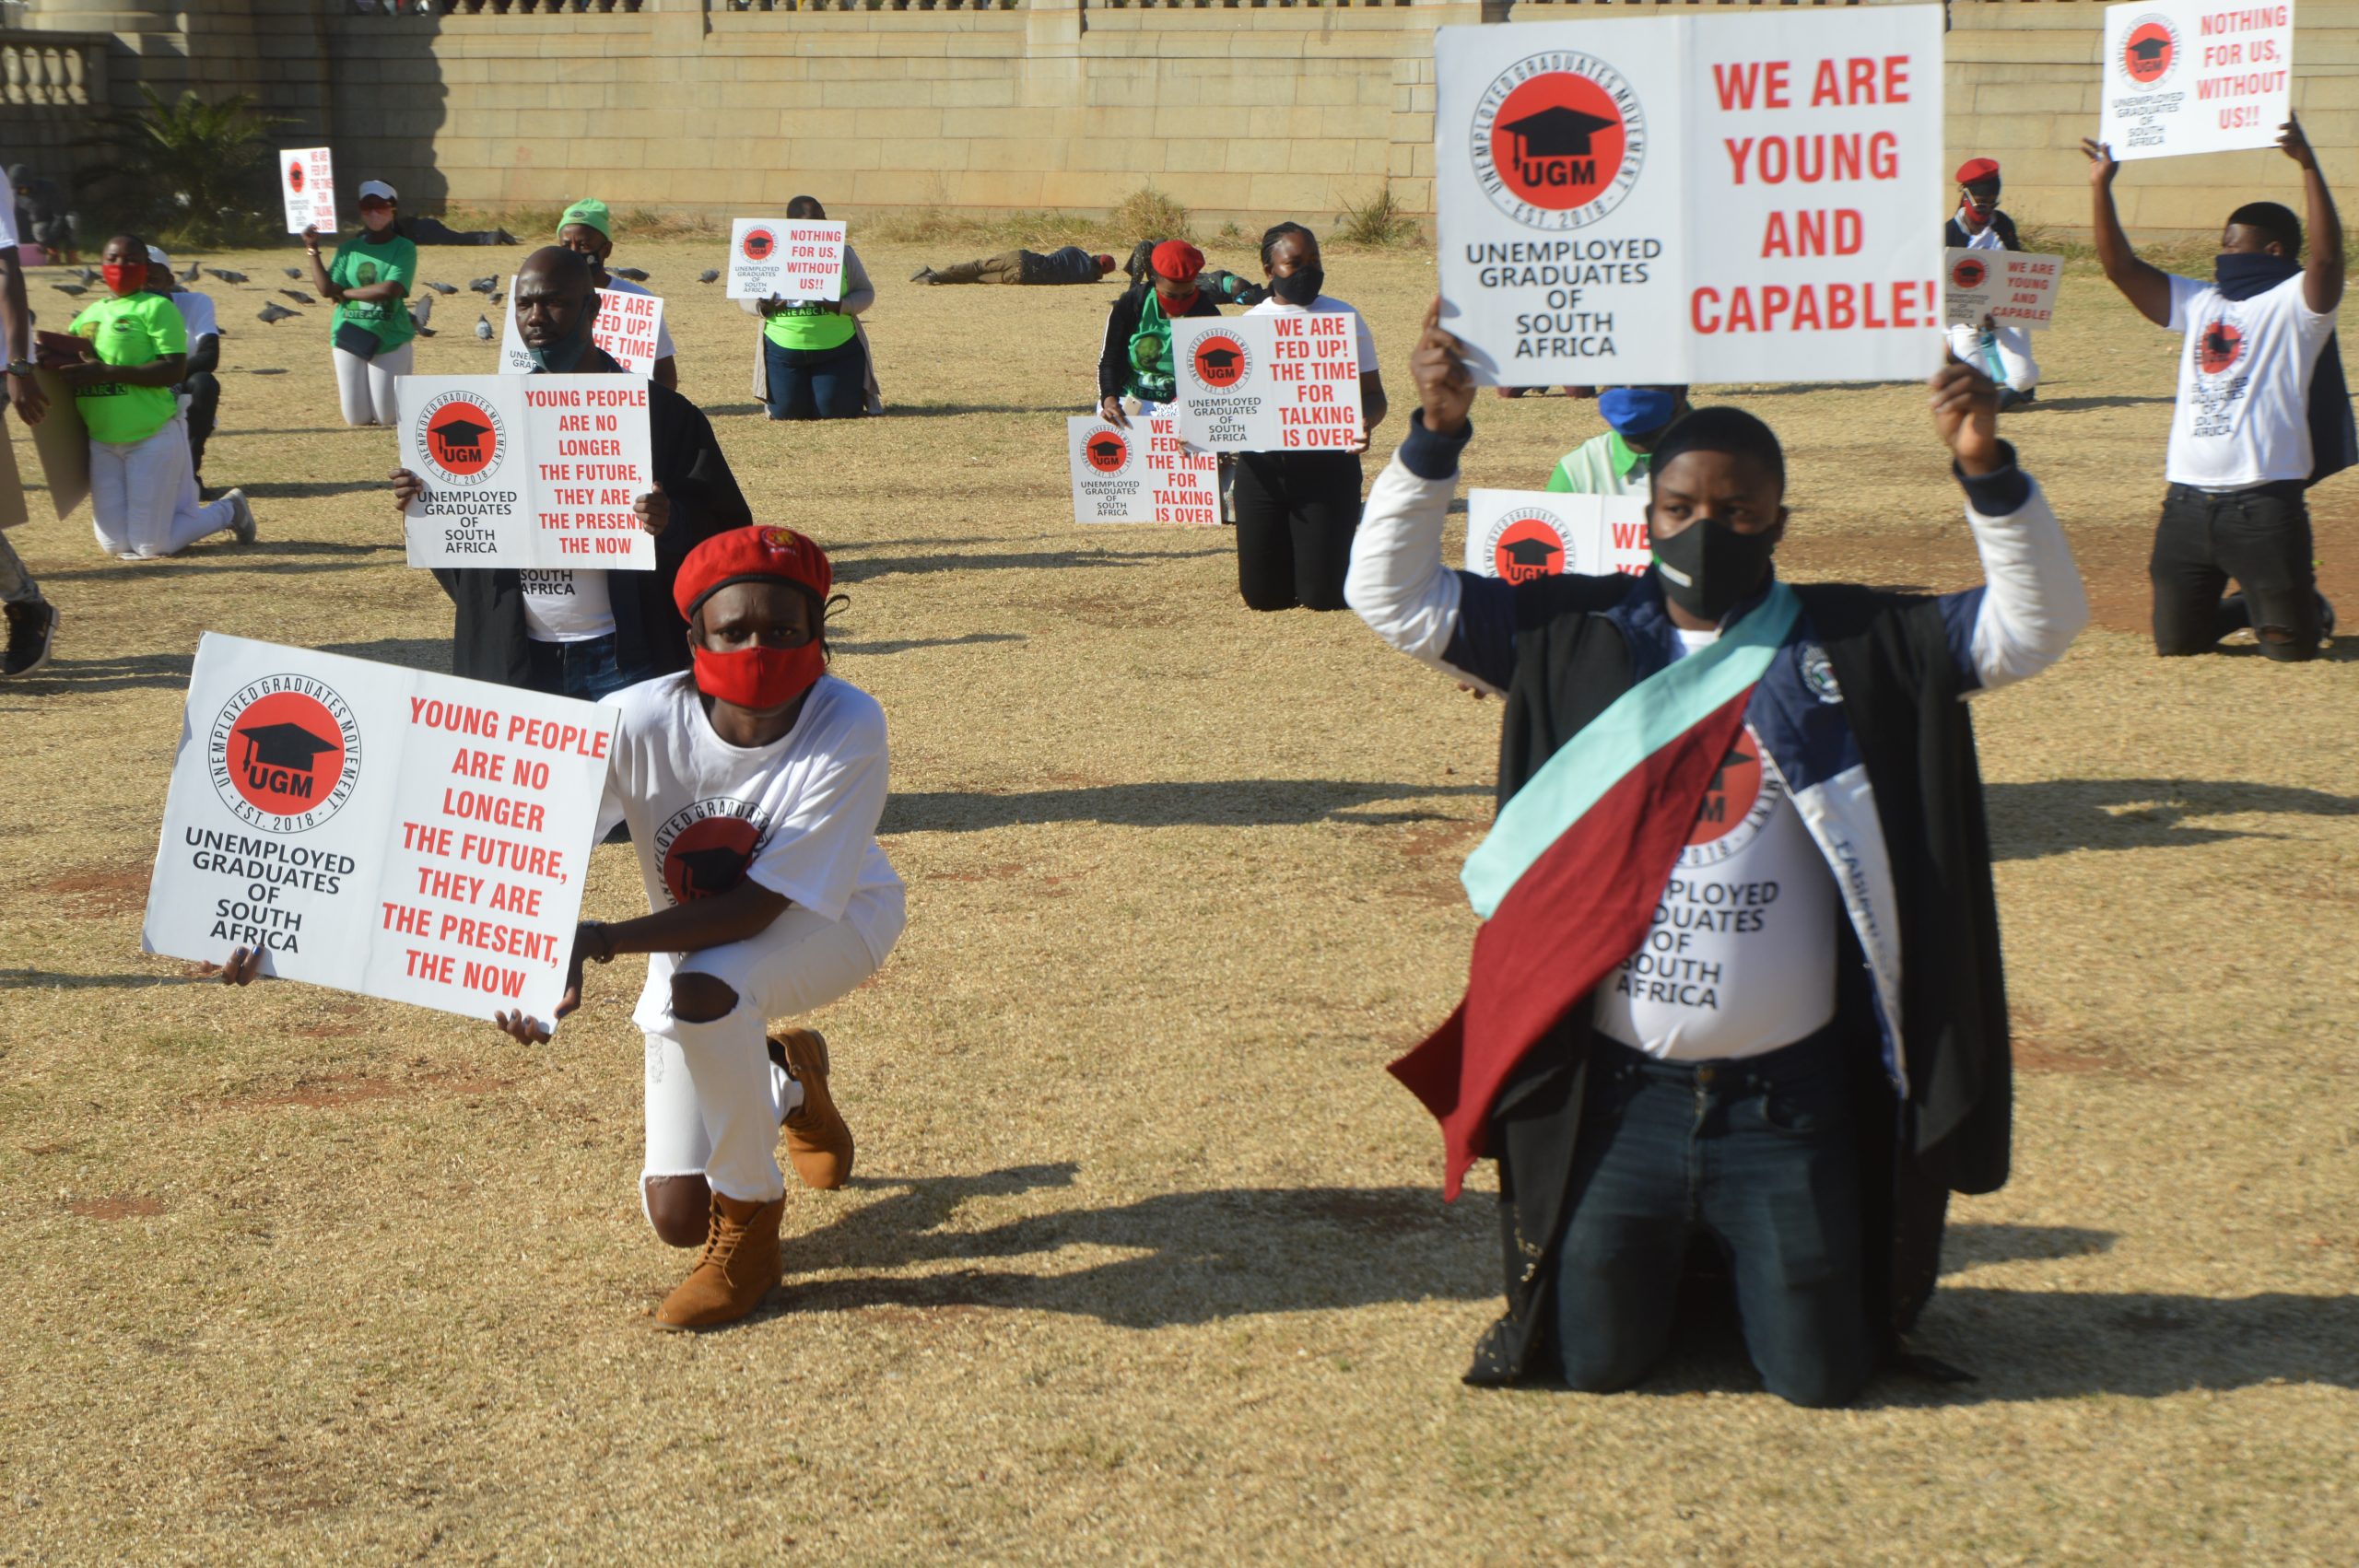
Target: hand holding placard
1445,389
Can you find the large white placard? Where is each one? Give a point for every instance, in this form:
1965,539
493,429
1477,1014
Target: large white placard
1719,197
538,472
1145,474
783,259
1269,383
2011,286
628,326
2195,75
307,181
1524,534
380,830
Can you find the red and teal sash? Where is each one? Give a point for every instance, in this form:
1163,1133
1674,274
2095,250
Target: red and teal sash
1568,877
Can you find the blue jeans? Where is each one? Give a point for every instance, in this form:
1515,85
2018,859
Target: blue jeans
1761,1155
816,383
585,670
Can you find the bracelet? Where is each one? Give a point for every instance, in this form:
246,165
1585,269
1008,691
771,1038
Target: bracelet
605,940
20,366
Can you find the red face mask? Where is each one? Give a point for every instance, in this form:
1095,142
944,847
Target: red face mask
124,277
759,678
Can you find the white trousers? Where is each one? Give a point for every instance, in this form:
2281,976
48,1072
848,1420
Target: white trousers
143,496
712,1101
365,386
2005,359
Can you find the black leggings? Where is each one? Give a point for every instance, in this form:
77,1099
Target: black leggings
2259,536
1296,516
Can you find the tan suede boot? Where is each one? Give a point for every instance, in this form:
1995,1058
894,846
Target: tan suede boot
819,1144
739,1266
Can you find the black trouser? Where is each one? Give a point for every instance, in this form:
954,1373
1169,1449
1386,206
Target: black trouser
2260,537
1296,516
203,389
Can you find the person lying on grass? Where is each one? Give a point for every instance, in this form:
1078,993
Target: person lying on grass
752,785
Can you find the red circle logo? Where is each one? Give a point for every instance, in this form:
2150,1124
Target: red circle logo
757,244
1729,800
295,178
1527,548
2148,51
1557,141
2219,348
1968,273
285,753
462,437
1106,451
1219,361
708,856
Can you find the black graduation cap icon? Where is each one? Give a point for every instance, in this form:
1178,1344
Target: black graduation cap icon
1558,132
461,433
2218,342
1737,755
1218,359
712,870
2146,51
1106,448
283,745
1530,551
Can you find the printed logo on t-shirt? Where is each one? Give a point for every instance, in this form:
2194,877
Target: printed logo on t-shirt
2220,347
704,849
1740,798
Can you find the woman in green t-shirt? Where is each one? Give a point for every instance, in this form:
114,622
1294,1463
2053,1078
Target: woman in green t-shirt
130,351
368,281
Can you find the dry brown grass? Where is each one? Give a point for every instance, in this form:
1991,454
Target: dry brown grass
1144,1260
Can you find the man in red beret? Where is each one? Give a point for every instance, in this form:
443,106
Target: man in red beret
2001,353
1135,363
752,783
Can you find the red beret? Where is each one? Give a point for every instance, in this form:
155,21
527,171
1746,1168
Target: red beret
1977,169
748,554
1177,260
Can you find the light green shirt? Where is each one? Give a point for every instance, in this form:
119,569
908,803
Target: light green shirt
136,329
1602,465
359,263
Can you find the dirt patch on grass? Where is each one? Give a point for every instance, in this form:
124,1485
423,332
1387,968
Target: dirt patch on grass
99,892
339,1090
116,1206
1431,854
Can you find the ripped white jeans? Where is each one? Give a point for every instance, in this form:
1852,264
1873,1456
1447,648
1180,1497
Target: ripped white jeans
712,1106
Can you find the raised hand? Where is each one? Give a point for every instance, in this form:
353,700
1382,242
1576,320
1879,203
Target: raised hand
1966,415
2102,165
1445,389
2296,144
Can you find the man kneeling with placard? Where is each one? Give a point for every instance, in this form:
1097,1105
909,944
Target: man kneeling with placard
753,784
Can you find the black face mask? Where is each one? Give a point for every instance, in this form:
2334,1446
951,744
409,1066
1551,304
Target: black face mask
1301,286
1707,566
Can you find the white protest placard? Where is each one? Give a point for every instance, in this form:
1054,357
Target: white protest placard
628,326
785,259
403,834
2012,286
1269,383
2195,75
306,181
1145,474
1718,197
536,471
1524,534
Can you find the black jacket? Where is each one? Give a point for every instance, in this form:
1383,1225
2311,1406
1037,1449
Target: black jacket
1900,688
488,640
1954,235
1122,321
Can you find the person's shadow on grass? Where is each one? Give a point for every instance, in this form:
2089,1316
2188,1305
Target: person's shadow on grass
1186,1258
2052,816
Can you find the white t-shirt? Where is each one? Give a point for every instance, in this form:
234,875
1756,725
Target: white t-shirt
663,349
8,239
1273,306
566,607
799,815
1740,959
196,312
2244,385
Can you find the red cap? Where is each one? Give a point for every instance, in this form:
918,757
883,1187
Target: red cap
1977,169
1105,263
1177,260
748,554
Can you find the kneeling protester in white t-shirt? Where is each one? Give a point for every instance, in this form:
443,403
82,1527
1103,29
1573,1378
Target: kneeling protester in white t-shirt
752,784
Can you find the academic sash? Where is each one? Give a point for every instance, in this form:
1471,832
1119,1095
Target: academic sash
1568,877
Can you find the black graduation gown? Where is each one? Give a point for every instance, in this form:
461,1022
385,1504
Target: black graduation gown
488,640
1900,687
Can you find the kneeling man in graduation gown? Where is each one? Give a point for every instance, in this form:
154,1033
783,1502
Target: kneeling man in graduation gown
1738,984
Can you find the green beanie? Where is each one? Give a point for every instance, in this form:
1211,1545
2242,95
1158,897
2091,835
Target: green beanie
589,213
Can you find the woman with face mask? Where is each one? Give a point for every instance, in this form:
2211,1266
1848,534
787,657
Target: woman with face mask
368,281
1135,372
1297,511
131,350
812,359
1619,461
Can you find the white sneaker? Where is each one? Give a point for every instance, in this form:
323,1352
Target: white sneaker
242,521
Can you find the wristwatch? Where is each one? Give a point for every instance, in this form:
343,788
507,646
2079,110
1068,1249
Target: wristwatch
20,366
606,943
